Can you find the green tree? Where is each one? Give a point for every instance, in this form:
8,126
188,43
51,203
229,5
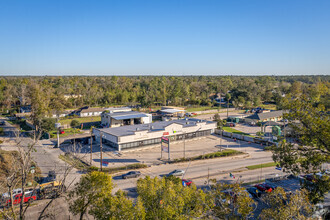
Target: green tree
89,191
281,205
311,127
117,207
167,199
232,201
74,123
48,124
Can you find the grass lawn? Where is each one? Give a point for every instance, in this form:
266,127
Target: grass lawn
81,120
264,165
201,108
68,132
232,130
269,106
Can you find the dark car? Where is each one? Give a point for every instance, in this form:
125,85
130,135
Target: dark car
261,187
270,185
2,123
186,182
254,191
131,174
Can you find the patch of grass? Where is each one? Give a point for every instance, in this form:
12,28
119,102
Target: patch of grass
73,161
269,106
67,121
223,153
232,130
201,108
264,165
68,132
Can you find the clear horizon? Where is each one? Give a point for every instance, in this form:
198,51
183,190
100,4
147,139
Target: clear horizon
188,37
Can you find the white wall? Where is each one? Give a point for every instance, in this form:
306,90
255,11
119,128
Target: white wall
146,120
173,129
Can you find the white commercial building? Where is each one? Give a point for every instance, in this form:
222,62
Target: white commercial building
120,118
135,136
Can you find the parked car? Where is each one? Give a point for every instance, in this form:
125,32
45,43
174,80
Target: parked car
15,192
18,197
254,191
131,174
261,187
270,185
2,122
188,114
186,182
176,173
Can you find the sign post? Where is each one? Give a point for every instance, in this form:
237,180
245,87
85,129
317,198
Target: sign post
165,146
57,126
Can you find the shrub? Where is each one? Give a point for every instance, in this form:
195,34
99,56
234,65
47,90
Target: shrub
74,123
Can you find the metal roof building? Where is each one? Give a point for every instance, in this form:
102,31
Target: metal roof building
273,115
135,136
116,119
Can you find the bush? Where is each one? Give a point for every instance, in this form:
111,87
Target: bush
74,123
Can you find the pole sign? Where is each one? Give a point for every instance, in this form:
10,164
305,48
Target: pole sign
164,144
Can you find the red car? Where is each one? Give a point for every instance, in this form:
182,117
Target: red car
17,198
261,187
186,182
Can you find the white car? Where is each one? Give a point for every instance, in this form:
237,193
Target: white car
176,173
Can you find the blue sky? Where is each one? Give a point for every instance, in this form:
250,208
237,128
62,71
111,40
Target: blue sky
184,37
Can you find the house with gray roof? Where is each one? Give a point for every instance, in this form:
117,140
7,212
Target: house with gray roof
266,116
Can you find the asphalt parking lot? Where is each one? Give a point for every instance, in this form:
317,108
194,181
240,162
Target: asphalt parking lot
152,155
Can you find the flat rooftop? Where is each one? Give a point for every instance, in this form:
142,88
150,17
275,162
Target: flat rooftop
152,127
126,115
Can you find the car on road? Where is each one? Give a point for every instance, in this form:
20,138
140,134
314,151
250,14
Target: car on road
131,174
186,182
2,122
176,173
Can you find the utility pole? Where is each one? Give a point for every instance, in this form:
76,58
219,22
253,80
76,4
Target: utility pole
261,172
101,149
161,150
74,140
91,148
184,145
221,139
57,126
169,155
227,108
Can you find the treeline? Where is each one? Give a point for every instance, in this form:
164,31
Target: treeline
76,91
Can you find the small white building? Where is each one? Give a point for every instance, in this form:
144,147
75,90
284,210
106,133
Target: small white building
135,136
88,111
118,118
